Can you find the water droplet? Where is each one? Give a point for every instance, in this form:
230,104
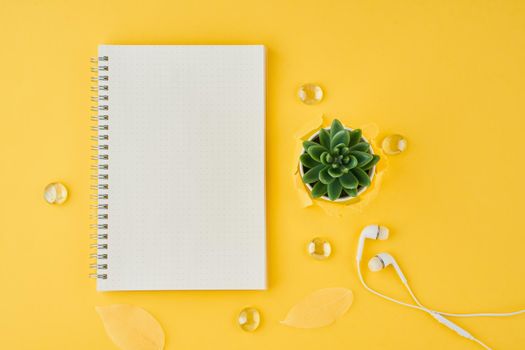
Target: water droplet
319,248
249,319
394,144
310,94
55,193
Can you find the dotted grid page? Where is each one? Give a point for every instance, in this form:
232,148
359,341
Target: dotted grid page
186,167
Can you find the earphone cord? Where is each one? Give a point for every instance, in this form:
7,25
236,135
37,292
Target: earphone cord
483,314
419,306
481,343
416,300
382,295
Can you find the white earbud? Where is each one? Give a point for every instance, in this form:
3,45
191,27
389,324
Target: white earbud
381,261
370,232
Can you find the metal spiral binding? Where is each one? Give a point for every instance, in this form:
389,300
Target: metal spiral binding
99,168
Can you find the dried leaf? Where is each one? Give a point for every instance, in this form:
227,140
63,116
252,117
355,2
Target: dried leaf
319,309
131,328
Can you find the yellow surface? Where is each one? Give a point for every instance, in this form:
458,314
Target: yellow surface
447,74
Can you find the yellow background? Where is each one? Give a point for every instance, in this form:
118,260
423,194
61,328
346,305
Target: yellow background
447,74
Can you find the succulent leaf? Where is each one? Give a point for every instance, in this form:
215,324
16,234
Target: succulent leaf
352,192
324,138
319,190
308,144
340,148
371,163
325,177
335,172
361,176
362,157
322,158
336,127
349,180
308,161
352,162
355,137
312,175
329,158
345,151
340,139
334,190
361,146
316,151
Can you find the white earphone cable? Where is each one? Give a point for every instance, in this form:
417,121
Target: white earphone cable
373,291
419,306
482,314
416,300
485,314
481,343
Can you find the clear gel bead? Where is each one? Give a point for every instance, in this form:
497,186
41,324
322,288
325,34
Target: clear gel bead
310,94
249,319
394,144
55,193
319,248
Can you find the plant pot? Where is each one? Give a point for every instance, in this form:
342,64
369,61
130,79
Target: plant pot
344,197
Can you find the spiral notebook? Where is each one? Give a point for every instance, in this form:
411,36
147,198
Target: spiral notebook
180,168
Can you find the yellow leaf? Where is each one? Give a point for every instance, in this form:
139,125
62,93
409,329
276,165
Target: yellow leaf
319,309
131,328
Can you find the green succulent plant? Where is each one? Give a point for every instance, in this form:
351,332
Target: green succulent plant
337,162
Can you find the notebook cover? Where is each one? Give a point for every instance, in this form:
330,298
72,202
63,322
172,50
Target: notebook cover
186,167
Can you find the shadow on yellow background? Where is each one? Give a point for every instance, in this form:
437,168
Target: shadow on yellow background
447,74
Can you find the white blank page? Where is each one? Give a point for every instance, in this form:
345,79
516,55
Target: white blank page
186,167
